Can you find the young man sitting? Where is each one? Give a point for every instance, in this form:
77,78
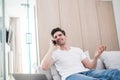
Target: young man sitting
72,63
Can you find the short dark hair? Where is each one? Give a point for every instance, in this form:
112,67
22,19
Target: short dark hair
57,29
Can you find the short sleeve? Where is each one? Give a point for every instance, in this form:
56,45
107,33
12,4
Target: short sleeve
54,56
83,56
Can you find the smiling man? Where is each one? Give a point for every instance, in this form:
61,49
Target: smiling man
72,63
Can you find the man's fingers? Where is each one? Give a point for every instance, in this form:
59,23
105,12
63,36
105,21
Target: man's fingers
101,48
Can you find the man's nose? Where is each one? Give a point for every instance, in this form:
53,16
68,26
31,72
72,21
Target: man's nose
58,37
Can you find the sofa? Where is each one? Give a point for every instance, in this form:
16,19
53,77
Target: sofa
109,59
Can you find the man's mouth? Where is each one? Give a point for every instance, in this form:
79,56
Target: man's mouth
59,40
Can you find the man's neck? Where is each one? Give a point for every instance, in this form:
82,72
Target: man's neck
65,47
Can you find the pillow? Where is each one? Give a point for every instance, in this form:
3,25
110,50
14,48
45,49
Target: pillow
100,64
55,74
111,59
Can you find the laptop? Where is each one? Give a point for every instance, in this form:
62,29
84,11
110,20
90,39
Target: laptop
29,77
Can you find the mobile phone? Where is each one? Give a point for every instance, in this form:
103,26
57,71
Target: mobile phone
54,42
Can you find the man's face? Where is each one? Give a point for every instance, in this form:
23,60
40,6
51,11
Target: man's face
60,38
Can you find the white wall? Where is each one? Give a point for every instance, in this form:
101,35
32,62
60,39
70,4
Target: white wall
116,7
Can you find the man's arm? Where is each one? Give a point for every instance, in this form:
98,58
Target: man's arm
92,63
48,60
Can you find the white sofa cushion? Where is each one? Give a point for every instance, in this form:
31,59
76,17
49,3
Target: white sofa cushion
111,59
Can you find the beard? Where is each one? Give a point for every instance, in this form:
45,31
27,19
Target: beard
61,43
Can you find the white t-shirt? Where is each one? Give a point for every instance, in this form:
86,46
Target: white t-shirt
69,62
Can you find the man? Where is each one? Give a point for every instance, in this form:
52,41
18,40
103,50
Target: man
71,62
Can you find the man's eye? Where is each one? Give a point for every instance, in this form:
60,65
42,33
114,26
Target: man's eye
60,34
55,37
